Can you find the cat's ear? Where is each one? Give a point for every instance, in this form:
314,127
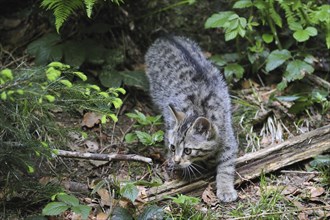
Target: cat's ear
203,126
178,116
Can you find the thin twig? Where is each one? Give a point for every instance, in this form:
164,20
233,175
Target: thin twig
300,172
105,157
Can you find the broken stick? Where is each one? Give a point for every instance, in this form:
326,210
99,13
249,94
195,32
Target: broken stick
105,157
252,165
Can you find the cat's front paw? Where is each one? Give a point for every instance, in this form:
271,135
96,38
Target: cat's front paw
228,196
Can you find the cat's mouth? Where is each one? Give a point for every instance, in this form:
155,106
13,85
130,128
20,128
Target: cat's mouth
186,171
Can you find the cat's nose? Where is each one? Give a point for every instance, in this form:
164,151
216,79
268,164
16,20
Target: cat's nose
177,159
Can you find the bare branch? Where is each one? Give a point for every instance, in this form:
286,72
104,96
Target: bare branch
105,157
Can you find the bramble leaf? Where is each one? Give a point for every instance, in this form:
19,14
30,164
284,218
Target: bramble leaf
276,58
129,191
83,210
243,4
55,208
152,212
297,69
218,20
68,199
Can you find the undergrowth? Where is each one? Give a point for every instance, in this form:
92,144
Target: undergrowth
29,131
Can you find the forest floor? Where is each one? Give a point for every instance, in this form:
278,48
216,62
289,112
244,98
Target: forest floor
296,192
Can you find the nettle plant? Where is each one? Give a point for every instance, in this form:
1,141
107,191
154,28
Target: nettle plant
276,34
145,129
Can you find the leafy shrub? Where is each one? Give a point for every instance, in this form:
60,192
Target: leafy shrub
272,41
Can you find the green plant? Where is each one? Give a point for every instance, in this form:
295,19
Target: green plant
185,208
62,9
303,100
321,163
148,138
260,27
30,103
66,202
271,204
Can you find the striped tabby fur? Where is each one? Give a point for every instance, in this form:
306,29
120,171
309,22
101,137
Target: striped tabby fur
195,103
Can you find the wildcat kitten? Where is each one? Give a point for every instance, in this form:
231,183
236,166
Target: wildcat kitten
194,101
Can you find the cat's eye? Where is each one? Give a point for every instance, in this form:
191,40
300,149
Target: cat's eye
172,147
187,151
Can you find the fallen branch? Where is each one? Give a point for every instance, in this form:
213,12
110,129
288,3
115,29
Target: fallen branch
105,157
252,165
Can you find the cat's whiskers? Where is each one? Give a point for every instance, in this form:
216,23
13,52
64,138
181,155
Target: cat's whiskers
195,168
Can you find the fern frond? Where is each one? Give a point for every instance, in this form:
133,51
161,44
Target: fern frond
89,6
62,9
273,14
289,14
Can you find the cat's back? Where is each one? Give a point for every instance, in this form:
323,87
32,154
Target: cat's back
177,61
180,75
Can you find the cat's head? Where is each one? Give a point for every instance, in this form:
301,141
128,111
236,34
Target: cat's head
192,139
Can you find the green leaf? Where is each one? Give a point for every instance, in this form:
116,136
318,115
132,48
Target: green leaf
121,90
46,48
282,85
20,91
59,65
66,82
294,26
95,87
7,73
55,208
104,94
276,58
117,102
89,7
53,74
218,20
113,117
327,39
144,138
68,199
30,169
129,191
218,60
152,212
113,79
74,53
301,35
83,210
243,4
3,95
287,98
104,119
297,69
320,161
190,2
81,75
275,17
268,38
120,213
230,35
158,136
232,69
183,199
311,31
50,98
130,138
